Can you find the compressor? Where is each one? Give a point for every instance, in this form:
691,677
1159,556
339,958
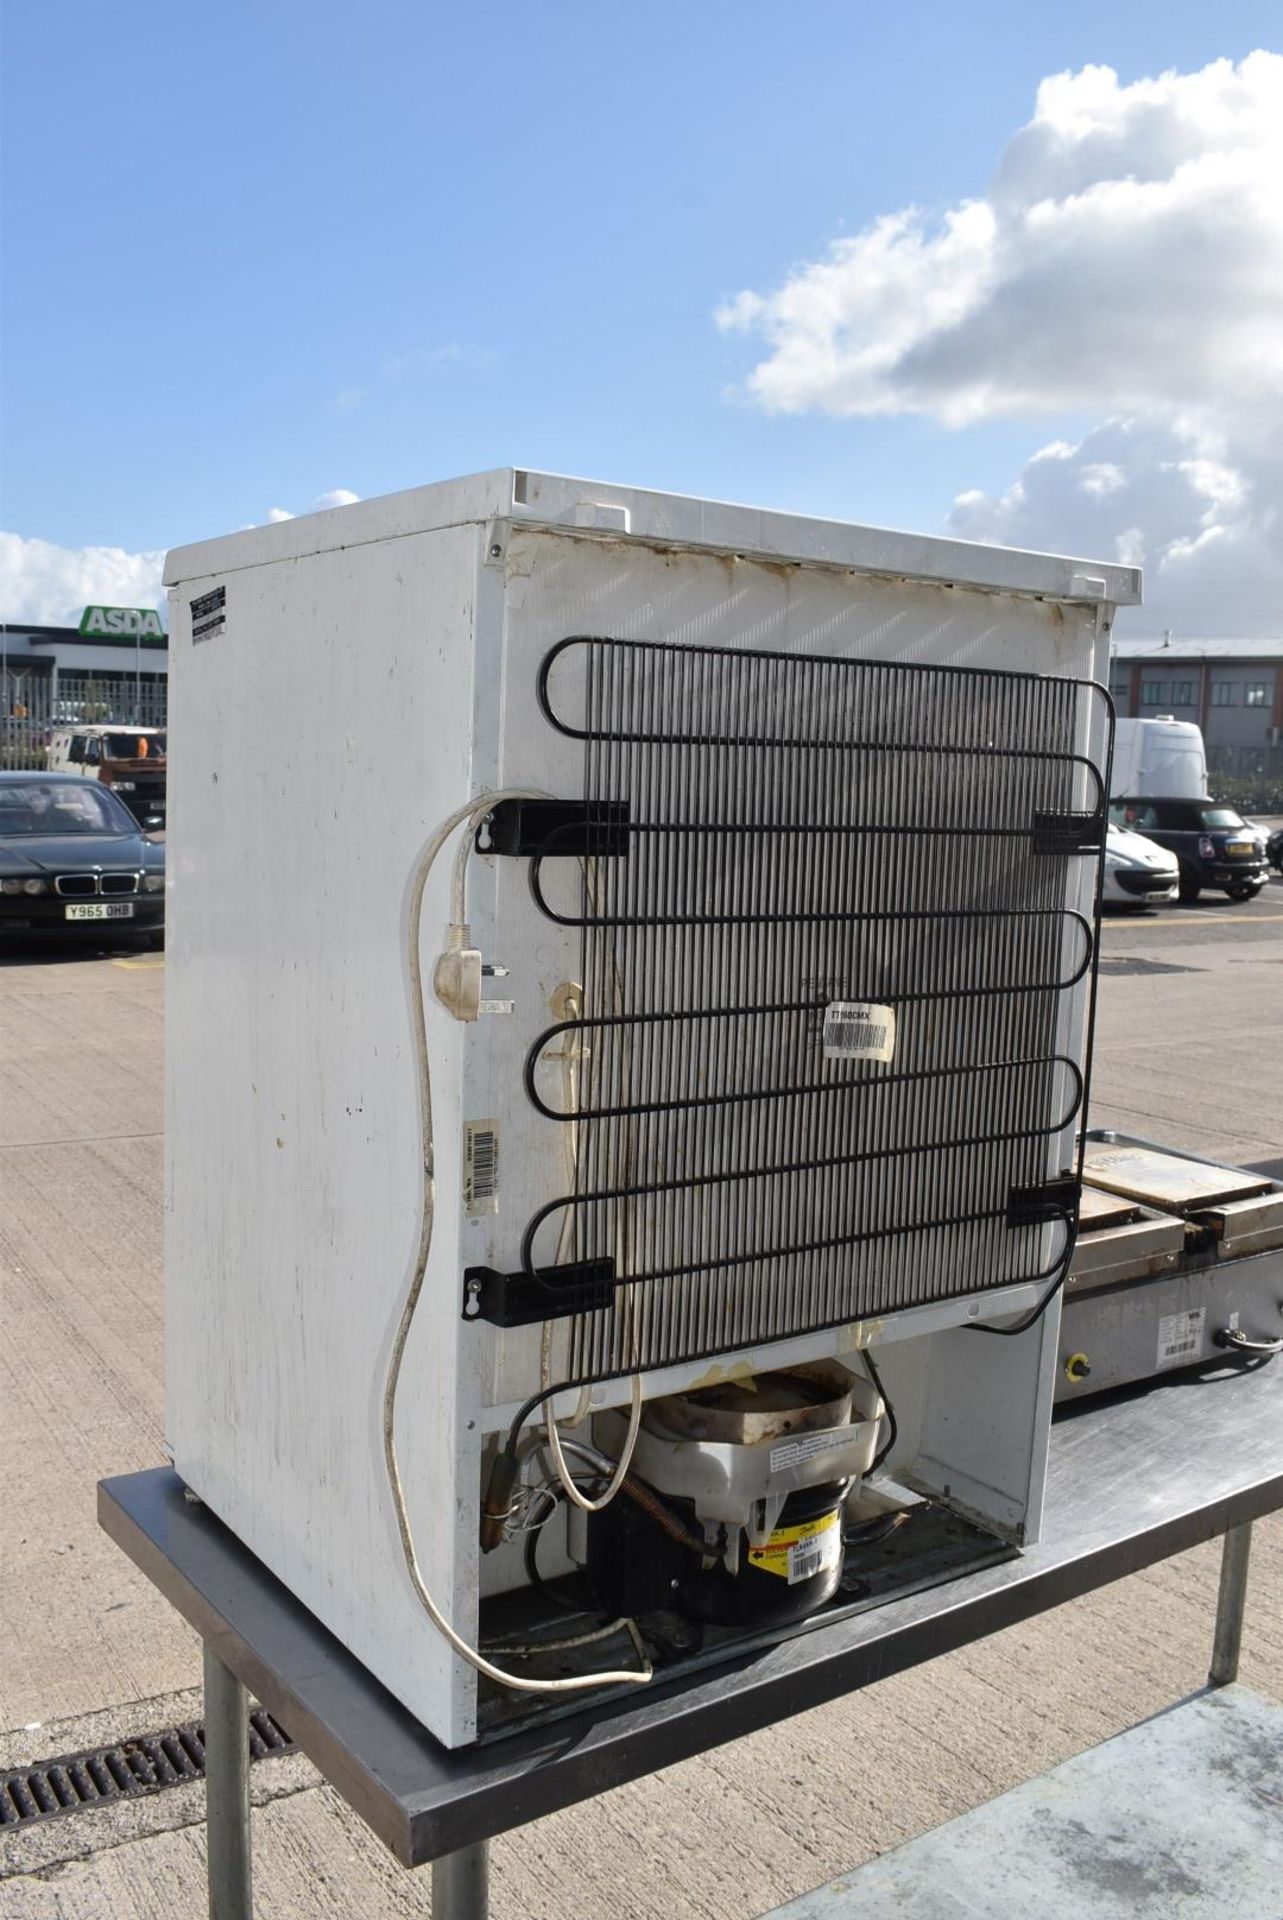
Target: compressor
758,1469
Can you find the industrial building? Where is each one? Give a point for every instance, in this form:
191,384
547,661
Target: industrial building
1232,689
113,666
112,653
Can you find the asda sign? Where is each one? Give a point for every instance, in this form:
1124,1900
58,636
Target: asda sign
122,623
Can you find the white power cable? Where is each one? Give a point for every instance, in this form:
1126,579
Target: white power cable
566,1641
471,815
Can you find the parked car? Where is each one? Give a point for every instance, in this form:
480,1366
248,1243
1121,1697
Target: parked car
1274,849
1214,844
72,858
1138,873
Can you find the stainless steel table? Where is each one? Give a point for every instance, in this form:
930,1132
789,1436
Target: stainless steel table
1132,1480
1179,1815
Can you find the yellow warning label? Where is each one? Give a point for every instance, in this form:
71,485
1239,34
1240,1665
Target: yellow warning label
796,1553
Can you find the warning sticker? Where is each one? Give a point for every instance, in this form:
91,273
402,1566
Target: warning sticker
209,615
1180,1337
858,1030
799,1553
805,1446
480,1167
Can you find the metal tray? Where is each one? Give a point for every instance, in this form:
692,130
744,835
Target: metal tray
1156,1178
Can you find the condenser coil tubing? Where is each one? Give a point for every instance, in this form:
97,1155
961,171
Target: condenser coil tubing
804,830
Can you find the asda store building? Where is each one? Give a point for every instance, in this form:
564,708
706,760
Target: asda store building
112,666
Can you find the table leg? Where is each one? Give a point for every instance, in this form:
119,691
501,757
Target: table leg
227,1836
1228,1635
461,1884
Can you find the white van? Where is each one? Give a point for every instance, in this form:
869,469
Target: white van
1162,756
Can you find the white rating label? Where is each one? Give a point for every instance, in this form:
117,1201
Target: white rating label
791,1453
1180,1337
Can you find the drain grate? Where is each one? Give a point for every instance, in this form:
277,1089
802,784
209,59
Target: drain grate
76,1781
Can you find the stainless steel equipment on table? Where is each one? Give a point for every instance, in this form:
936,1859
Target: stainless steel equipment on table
1179,1262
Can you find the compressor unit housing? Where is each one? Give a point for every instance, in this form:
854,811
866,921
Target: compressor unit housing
746,1031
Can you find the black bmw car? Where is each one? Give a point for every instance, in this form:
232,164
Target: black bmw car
74,861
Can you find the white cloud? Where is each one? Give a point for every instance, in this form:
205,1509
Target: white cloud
1126,261
419,362
51,585
415,364
1101,478
1129,253
1207,534
336,497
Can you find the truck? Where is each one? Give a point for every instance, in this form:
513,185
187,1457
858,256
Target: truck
129,760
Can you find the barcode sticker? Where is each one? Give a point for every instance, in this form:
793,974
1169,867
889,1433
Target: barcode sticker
805,1561
796,1553
808,1557
1180,1337
858,1030
480,1167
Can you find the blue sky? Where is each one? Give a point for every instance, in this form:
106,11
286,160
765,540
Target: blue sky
259,252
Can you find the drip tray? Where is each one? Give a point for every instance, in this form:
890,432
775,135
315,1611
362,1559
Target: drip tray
929,1544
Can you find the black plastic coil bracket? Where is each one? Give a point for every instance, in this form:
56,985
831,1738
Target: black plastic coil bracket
531,829
1035,1206
523,1299
1066,833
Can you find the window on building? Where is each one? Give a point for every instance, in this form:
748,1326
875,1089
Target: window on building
1122,693
1153,693
1182,693
1257,694
1223,692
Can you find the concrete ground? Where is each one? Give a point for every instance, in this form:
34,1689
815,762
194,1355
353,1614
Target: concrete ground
1190,1047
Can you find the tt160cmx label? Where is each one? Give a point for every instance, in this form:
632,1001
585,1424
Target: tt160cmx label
858,1030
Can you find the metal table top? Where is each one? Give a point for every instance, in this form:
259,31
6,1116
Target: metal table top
1179,1815
1131,1481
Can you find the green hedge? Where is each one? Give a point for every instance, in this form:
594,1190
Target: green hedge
1249,792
